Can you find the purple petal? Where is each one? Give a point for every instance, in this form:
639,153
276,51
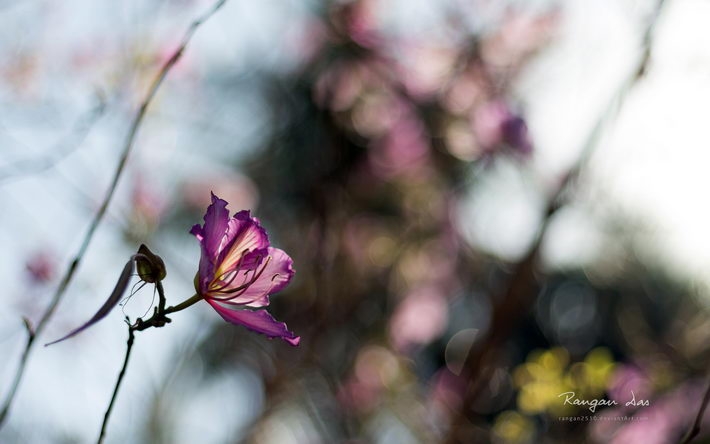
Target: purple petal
245,244
210,236
196,231
275,276
216,224
259,321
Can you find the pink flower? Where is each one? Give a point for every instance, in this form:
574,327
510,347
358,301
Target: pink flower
41,267
496,124
239,270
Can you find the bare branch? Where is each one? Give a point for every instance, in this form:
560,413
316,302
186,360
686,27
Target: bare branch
128,145
121,374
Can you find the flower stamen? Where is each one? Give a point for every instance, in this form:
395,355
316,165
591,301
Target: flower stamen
259,296
223,285
238,291
235,270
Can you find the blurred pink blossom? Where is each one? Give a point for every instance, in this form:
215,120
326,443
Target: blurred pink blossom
420,318
446,390
306,40
467,89
41,266
628,378
339,87
375,370
147,206
495,124
520,35
361,22
236,188
425,66
404,149
665,420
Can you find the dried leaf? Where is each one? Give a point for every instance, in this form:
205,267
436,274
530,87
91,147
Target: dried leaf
111,302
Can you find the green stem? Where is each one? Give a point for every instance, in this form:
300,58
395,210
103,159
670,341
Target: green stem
184,304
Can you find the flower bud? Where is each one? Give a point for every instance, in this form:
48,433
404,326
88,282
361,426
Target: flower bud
150,266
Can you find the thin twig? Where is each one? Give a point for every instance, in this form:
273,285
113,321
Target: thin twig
69,274
159,319
129,347
695,429
161,295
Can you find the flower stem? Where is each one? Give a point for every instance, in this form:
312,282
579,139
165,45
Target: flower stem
161,296
184,304
157,320
129,347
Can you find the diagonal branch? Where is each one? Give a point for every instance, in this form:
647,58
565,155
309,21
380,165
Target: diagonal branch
128,145
522,288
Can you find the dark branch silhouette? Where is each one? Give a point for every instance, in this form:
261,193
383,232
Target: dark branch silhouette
127,146
159,319
121,374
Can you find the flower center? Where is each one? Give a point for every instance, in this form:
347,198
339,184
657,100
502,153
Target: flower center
222,288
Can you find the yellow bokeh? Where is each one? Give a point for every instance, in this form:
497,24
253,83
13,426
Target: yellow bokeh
547,373
511,427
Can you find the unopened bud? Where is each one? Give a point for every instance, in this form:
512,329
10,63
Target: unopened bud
150,266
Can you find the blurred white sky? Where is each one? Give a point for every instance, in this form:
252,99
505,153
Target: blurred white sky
650,166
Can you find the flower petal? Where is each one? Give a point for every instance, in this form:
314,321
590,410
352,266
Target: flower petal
196,231
210,236
244,235
275,276
216,223
259,321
